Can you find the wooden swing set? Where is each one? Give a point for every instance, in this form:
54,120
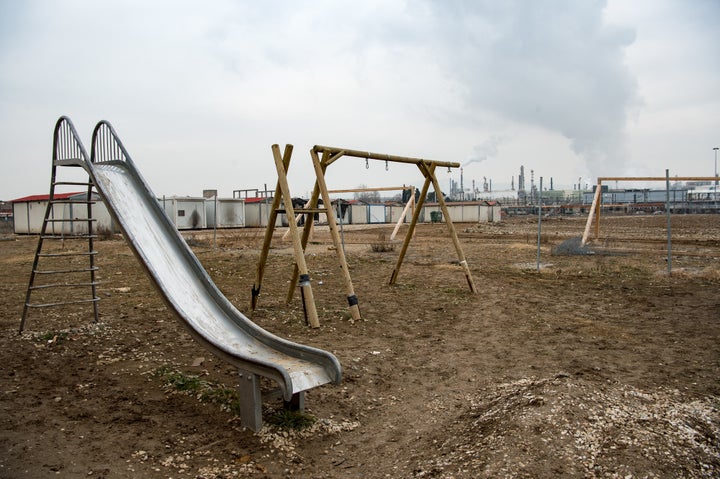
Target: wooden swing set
322,157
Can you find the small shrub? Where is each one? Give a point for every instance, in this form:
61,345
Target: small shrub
52,337
196,242
227,398
183,382
104,233
286,419
6,227
382,245
179,380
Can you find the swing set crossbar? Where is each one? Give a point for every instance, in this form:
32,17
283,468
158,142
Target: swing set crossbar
338,152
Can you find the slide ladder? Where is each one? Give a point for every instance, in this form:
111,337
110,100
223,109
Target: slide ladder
64,272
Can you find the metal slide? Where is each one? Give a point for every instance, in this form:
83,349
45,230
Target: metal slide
190,292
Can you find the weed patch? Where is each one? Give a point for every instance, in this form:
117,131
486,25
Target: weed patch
205,391
382,245
52,337
286,419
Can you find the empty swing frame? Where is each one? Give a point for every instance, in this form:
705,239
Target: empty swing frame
322,157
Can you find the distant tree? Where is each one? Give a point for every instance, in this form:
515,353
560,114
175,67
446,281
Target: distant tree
367,196
406,195
432,197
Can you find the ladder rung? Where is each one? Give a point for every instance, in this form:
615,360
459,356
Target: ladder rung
60,303
73,183
61,271
55,255
64,285
68,236
69,220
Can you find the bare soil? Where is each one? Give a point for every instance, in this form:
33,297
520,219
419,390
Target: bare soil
595,365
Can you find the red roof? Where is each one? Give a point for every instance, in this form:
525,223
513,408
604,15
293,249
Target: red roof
58,196
256,199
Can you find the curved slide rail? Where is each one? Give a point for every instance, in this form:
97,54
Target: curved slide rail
190,292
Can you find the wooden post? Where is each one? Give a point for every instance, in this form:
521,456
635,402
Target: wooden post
272,218
307,231
351,297
453,234
305,288
591,214
410,202
598,209
413,223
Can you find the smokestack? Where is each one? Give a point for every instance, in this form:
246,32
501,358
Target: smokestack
532,184
551,183
512,183
491,185
462,188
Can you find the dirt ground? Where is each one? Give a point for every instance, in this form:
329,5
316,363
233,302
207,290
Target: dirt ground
595,365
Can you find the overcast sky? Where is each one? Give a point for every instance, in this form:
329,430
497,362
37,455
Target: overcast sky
199,90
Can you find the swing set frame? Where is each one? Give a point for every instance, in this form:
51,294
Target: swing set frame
322,157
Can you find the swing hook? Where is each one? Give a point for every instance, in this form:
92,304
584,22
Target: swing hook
448,169
367,164
387,168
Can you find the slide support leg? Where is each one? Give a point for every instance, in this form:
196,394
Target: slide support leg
296,403
250,400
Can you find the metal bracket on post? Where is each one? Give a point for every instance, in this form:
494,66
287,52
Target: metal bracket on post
250,400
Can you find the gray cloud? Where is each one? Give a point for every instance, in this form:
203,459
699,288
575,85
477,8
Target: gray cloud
553,64
190,85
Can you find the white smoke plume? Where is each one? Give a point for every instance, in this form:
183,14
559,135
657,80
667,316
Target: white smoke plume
484,151
553,64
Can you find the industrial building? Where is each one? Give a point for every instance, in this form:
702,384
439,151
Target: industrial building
29,213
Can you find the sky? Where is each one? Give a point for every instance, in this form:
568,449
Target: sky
198,91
